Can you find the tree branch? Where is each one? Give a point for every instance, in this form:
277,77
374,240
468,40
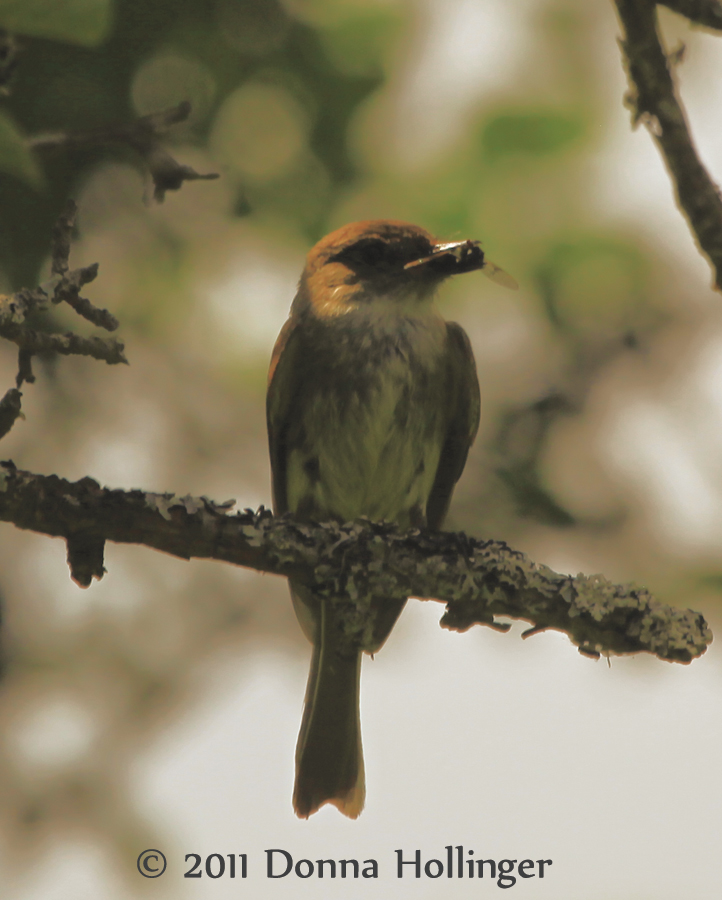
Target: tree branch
64,286
143,136
68,284
15,308
353,563
701,12
654,102
9,410
68,344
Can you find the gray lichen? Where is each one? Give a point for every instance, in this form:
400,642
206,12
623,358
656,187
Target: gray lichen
358,564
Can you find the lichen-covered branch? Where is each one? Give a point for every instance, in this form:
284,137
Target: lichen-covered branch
15,309
64,286
354,563
143,135
68,284
68,344
654,101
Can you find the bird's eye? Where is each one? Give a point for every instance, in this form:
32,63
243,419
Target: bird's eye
370,252
366,253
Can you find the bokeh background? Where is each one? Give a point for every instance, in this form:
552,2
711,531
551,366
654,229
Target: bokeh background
159,708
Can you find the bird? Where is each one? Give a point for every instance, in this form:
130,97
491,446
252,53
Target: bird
373,403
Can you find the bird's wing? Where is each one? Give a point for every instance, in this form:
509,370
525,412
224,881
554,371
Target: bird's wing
285,388
463,423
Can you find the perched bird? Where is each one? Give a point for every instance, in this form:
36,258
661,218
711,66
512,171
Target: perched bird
373,403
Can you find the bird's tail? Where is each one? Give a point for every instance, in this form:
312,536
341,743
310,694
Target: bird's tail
329,757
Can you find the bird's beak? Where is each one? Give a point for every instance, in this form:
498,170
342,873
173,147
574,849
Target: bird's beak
457,256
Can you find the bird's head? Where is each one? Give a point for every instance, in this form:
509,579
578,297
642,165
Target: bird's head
381,259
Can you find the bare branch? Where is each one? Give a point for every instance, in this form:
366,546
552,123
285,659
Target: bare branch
13,310
168,174
68,286
62,235
351,563
10,409
64,286
108,349
68,290
654,102
25,368
143,136
701,12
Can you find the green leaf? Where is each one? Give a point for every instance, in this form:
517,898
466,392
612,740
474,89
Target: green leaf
84,22
531,134
359,44
15,158
594,282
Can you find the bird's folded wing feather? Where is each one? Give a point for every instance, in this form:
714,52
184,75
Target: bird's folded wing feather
285,392
464,407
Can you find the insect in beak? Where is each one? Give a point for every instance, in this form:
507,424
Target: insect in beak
469,257
499,276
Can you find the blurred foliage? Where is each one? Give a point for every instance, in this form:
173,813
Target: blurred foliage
63,86
85,22
594,283
534,133
520,443
15,159
281,95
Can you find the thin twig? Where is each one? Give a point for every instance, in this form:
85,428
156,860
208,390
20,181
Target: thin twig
64,286
67,288
654,101
143,136
69,344
25,368
701,12
10,409
15,308
62,235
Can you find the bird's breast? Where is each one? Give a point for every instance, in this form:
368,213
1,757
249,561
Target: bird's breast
371,424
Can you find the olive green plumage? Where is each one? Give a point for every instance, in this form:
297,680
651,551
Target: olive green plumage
373,403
